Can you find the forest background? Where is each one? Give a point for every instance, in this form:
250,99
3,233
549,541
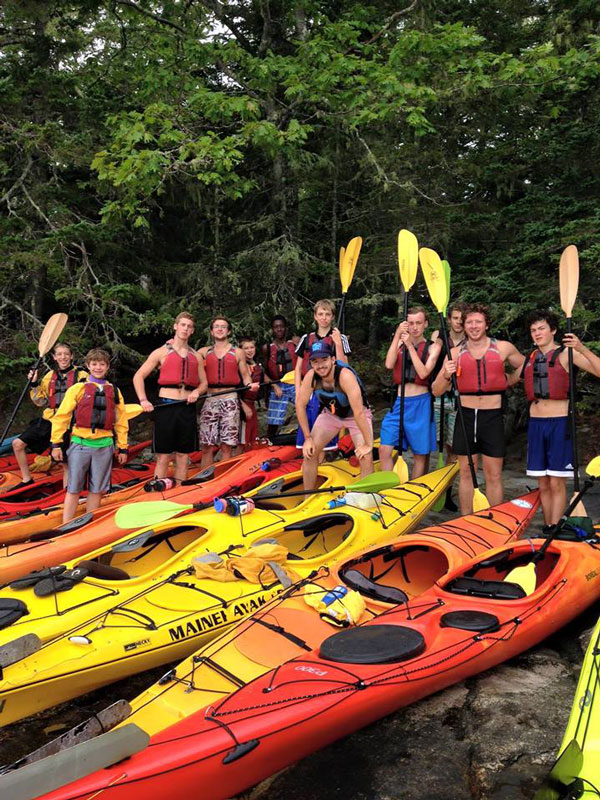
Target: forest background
215,155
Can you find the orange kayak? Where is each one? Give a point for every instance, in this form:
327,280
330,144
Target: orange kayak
90,531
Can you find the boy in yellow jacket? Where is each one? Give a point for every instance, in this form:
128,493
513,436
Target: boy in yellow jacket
97,410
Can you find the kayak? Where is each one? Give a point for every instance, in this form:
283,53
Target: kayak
470,619
576,773
424,556
241,471
146,600
12,475
50,547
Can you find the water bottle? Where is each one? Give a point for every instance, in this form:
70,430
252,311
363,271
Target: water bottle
337,593
270,464
159,485
356,500
234,506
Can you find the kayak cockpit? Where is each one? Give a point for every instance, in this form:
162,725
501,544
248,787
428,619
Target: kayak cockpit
315,537
395,575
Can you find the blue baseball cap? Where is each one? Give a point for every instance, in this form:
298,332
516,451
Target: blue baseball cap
321,349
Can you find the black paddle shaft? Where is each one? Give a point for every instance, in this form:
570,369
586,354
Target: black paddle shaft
572,411
459,407
20,401
402,383
560,524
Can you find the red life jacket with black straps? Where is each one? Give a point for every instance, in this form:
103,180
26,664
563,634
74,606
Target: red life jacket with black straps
308,343
409,369
481,376
222,372
256,376
97,407
177,372
281,360
59,383
335,400
545,377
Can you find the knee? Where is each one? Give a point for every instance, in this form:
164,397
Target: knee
18,446
556,484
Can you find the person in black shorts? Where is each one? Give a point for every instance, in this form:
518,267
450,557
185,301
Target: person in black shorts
181,378
479,365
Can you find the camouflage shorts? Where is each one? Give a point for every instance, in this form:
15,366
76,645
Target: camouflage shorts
219,421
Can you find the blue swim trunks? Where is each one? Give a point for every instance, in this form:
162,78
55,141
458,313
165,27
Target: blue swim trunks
549,447
419,426
278,406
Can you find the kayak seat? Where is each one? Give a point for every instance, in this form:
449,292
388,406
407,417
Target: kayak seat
59,583
103,571
311,527
369,588
498,560
206,475
11,610
373,644
495,590
475,621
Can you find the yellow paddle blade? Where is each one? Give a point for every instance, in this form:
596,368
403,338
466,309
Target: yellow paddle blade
480,501
569,278
408,258
593,467
401,469
525,576
52,330
435,277
289,377
348,265
446,267
341,261
133,410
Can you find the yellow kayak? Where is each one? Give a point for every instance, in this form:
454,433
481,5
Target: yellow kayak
160,594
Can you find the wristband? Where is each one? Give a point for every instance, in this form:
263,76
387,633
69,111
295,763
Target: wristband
123,450
33,384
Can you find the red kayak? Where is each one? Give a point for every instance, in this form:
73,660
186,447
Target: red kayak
435,626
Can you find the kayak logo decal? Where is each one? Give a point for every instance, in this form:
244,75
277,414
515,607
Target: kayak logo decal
312,670
521,503
586,700
134,645
591,575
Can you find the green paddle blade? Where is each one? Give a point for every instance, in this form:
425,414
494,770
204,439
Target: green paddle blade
563,773
408,258
376,482
140,515
435,278
446,267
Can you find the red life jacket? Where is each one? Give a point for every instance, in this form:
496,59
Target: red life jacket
481,376
411,373
545,377
308,343
222,372
177,371
59,383
96,407
281,360
256,376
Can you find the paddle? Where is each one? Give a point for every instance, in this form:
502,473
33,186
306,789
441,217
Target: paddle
525,576
132,408
140,515
441,501
435,278
348,260
408,257
52,330
569,283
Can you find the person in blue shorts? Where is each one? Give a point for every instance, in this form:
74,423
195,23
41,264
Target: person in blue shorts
546,376
411,352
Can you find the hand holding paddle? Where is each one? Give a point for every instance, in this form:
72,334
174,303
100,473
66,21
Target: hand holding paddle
436,280
52,330
408,258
